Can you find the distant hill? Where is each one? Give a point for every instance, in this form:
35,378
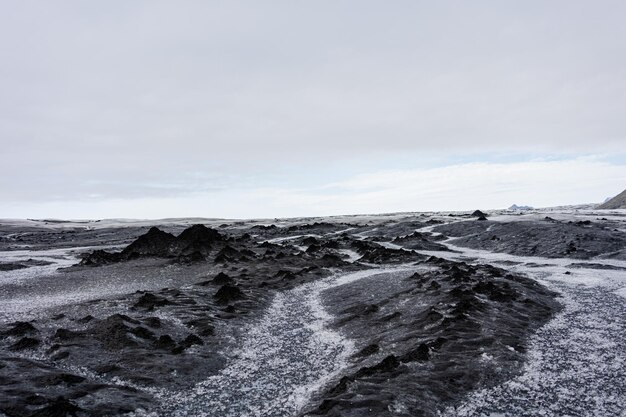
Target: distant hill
617,202
515,207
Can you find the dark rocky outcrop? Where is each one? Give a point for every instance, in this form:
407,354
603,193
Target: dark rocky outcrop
221,279
192,245
154,243
20,328
424,339
419,241
617,202
228,293
150,301
380,255
547,238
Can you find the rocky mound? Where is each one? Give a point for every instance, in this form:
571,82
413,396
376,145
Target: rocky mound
154,243
419,241
478,213
192,245
548,238
431,337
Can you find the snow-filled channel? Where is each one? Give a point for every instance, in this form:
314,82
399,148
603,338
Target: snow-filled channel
285,357
58,258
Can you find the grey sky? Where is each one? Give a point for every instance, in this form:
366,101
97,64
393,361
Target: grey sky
132,100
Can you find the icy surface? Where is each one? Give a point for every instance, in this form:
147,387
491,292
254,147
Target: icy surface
59,258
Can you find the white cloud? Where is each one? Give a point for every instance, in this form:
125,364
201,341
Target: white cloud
127,100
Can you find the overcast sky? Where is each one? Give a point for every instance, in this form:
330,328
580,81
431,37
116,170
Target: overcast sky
286,108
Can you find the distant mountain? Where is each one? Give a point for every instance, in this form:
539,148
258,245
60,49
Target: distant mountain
516,207
617,202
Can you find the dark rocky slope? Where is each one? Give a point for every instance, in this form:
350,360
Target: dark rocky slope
108,355
548,238
427,338
617,202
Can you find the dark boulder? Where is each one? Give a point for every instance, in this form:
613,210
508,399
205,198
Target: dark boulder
222,279
197,238
200,234
149,301
20,328
100,257
25,343
59,407
165,342
154,243
228,293
114,332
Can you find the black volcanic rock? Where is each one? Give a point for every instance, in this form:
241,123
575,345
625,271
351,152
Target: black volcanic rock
332,260
419,241
60,407
437,324
221,279
197,238
381,254
165,342
192,242
310,240
149,301
100,257
228,293
228,254
539,238
199,234
115,332
25,343
478,213
154,243
419,330
192,245
20,328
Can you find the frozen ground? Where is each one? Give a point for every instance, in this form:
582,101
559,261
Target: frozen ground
576,363
285,357
278,360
